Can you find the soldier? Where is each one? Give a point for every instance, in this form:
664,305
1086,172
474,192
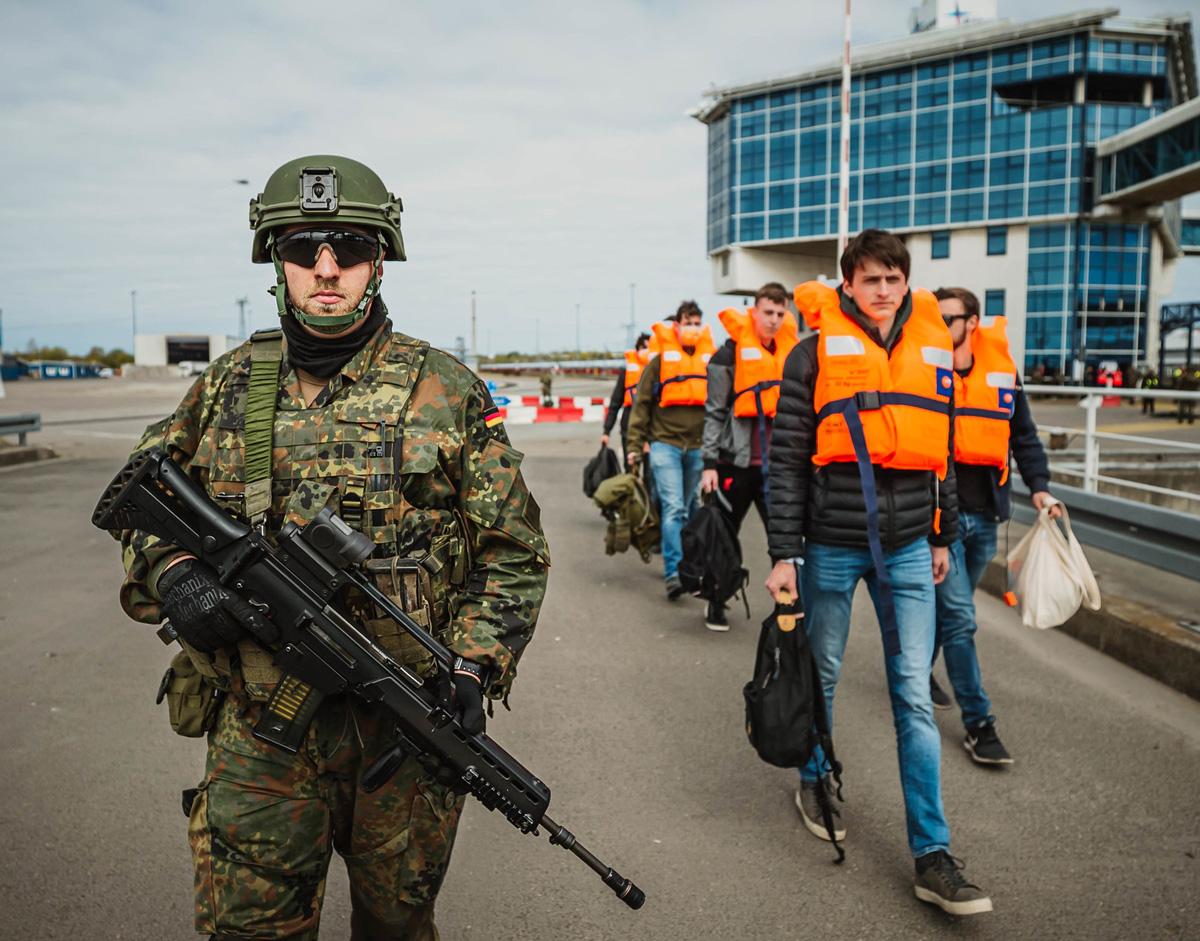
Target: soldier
405,443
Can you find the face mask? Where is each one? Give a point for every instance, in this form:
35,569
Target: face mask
689,335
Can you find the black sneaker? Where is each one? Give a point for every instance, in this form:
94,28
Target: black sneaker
809,799
939,696
984,745
674,587
940,882
714,618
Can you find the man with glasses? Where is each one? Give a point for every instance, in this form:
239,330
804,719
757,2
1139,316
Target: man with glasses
992,422
405,444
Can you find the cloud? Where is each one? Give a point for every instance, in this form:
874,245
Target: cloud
541,149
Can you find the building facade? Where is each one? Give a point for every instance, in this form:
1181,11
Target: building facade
978,145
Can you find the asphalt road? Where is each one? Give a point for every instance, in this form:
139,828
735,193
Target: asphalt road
631,711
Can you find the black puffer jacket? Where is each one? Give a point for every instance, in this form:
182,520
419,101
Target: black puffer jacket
826,505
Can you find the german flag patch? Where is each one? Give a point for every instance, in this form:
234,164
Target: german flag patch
492,416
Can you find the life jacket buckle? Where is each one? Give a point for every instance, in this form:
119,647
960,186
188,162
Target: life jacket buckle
867,400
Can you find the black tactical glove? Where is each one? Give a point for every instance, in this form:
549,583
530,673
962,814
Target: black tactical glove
463,694
204,612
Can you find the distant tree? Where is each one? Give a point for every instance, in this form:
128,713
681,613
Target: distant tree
116,358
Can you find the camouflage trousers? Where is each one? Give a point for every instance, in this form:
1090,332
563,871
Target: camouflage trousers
264,824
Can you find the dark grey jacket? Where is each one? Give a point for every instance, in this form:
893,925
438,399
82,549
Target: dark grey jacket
726,437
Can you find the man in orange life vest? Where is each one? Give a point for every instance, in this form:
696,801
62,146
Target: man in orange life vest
991,421
743,392
668,423
862,488
622,396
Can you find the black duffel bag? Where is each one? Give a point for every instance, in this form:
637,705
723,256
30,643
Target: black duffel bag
603,466
785,704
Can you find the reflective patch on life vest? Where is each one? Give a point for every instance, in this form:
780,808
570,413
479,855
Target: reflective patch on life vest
936,356
1002,380
632,367
705,357
751,352
672,356
844,346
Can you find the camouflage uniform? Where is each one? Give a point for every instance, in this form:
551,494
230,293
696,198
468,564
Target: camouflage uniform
406,445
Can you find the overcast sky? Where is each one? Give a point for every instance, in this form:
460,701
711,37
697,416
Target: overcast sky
541,149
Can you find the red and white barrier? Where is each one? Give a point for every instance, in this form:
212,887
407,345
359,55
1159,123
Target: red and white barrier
565,408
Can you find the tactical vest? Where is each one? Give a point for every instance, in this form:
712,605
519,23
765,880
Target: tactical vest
757,371
635,365
683,376
362,455
984,400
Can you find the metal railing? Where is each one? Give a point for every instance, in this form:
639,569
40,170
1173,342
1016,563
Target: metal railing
1090,470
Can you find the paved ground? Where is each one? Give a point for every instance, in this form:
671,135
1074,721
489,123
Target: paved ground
631,712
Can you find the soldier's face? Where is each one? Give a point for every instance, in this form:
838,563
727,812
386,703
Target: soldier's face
327,289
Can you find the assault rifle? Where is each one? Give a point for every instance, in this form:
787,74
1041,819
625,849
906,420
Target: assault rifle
320,649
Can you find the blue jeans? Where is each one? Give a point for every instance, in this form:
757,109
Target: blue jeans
969,557
829,576
677,477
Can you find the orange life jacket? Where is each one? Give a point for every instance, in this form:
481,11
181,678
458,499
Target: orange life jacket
902,400
683,377
984,401
635,364
757,372
875,409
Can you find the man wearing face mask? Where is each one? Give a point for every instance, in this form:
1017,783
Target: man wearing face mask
862,489
743,395
667,426
402,441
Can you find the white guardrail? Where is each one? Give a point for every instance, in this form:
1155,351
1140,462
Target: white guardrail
1091,399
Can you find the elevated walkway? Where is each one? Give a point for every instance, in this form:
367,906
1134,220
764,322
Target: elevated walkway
1154,162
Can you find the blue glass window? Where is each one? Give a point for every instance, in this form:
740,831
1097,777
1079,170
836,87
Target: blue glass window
929,210
933,94
997,240
783,157
814,153
783,120
1049,127
1047,200
752,125
811,194
1047,165
1005,171
970,130
939,245
933,70
781,225
931,179
811,223
933,128
1007,202
752,162
993,303
757,103
782,196
751,200
967,174
751,228
966,207
783,98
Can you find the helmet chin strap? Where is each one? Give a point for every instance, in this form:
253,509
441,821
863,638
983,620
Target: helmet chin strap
321,323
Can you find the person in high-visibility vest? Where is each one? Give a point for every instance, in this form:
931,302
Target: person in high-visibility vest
862,489
992,424
667,424
623,392
743,392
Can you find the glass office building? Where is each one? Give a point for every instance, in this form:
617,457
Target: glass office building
978,144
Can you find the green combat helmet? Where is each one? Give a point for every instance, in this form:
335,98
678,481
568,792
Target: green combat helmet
324,190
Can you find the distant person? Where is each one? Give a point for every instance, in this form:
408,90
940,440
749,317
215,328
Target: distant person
625,388
1189,381
667,425
992,424
862,489
1148,380
547,381
743,394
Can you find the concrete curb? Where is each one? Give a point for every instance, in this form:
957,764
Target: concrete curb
23,454
1138,636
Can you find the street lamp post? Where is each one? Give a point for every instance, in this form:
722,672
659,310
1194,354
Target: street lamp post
133,318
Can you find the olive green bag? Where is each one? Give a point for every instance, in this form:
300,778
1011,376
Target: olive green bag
192,701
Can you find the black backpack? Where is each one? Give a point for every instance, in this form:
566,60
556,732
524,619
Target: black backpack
785,705
603,466
711,567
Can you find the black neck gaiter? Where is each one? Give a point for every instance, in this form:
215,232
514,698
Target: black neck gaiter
323,357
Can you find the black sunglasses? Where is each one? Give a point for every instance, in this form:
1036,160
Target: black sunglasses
349,248
950,318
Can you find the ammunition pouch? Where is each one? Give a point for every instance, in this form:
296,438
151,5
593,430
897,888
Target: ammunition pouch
193,700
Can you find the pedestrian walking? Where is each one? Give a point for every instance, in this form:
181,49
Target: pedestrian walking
743,396
667,426
993,425
337,409
862,488
621,400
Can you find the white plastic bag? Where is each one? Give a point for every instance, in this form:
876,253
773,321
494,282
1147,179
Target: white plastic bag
1049,573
